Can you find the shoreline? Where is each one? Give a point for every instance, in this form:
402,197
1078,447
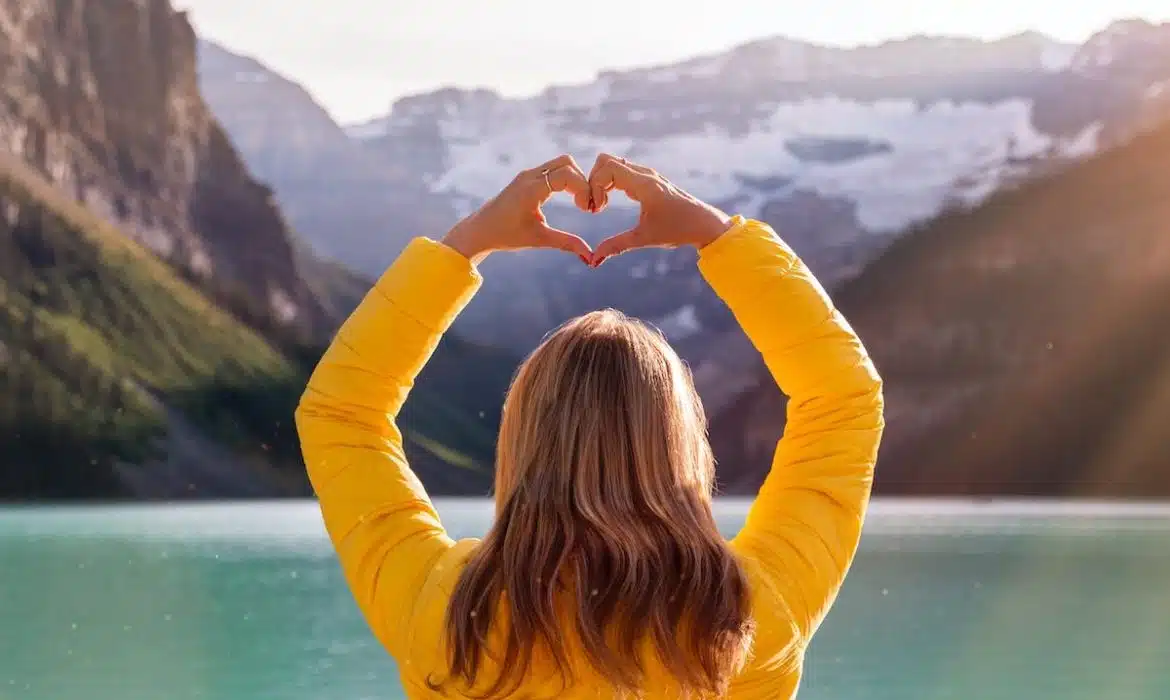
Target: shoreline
300,520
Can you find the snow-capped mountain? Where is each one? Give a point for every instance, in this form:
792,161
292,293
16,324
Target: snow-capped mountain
897,129
840,149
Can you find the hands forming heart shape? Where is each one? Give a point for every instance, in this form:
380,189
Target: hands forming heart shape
513,220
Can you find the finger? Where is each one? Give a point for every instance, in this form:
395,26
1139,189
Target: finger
563,240
610,173
606,173
638,167
561,174
558,162
567,178
648,171
616,245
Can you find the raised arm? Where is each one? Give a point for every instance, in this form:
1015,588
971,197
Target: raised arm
805,525
384,528
378,516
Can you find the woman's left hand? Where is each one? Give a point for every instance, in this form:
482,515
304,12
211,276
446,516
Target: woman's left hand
513,219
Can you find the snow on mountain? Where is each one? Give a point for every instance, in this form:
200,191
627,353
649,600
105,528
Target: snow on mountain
897,160
885,127
899,129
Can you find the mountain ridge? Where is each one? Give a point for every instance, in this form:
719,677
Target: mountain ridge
364,128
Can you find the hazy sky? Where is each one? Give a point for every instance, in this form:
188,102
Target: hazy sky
356,56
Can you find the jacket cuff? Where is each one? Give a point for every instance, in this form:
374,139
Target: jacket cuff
730,263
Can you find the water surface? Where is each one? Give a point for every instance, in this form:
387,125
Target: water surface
246,602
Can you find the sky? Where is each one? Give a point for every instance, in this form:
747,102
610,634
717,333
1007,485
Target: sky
357,56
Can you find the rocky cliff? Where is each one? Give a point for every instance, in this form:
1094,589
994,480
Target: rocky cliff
103,99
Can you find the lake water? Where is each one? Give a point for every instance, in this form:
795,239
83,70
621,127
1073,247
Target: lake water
245,602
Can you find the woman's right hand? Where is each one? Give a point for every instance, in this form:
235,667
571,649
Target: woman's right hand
669,217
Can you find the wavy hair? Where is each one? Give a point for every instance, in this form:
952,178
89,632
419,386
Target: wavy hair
604,549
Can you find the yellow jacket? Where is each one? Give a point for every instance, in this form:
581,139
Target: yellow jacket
800,535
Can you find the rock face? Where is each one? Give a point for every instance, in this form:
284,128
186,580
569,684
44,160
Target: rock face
1025,344
103,98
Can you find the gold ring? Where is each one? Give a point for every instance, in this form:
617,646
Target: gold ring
546,180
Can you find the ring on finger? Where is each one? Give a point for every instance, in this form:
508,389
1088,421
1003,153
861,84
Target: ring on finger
547,181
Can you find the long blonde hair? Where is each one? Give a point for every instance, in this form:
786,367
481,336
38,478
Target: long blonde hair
604,538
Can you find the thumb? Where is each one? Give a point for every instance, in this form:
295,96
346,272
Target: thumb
616,245
563,240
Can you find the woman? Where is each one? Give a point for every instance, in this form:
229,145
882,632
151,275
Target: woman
603,574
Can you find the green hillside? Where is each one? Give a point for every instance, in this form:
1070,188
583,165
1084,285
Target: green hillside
453,415
94,334
102,345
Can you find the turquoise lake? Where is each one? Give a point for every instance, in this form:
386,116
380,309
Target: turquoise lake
245,602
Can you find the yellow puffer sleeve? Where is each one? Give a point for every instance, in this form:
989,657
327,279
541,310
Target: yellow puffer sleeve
804,527
386,532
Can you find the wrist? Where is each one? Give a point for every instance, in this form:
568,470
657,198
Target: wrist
457,240
714,225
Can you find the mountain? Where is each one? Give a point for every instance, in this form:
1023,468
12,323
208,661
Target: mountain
158,317
352,206
152,303
103,99
841,149
1025,343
